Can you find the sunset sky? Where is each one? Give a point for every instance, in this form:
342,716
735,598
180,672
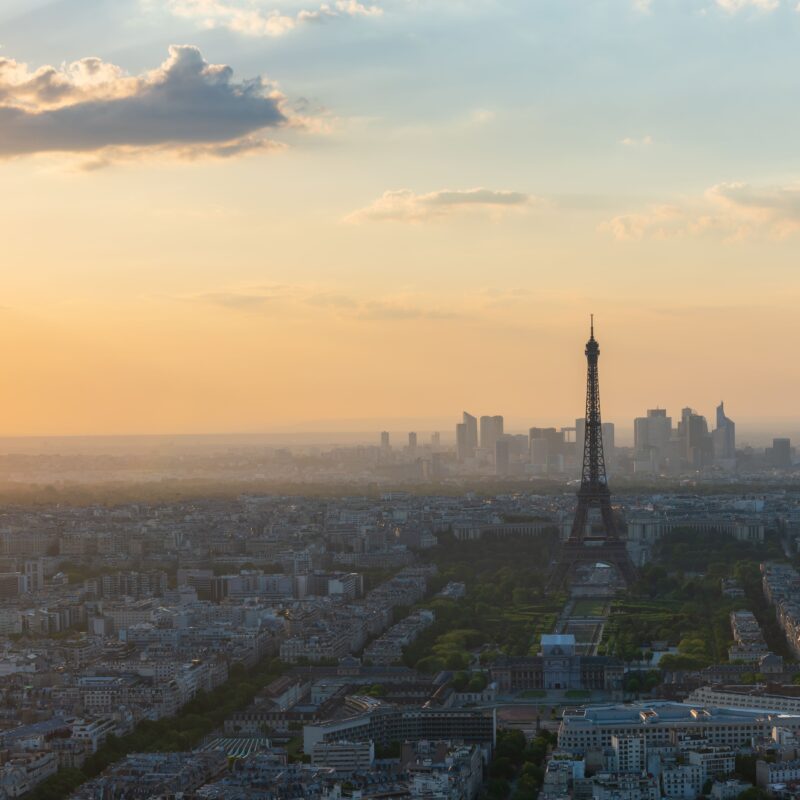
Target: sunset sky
252,215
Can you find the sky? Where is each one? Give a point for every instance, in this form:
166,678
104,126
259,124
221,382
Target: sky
259,215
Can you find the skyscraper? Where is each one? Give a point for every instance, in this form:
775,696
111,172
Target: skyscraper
412,442
780,454
651,438
462,448
695,440
724,439
491,430
580,436
385,441
502,456
610,447
472,429
546,449
466,436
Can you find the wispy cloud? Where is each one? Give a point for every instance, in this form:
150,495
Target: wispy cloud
299,299
239,301
481,116
262,17
730,6
402,310
733,6
403,205
657,222
733,211
186,106
634,141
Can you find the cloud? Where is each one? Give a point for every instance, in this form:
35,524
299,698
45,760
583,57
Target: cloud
633,141
382,310
730,6
657,222
734,211
406,206
300,299
481,116
186,106
238,301
734,6
261,17
48,87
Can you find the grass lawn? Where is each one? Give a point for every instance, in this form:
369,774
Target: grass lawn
577,694
589,607
534,693
294,747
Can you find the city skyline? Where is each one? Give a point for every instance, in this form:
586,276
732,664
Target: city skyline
282,199
313,482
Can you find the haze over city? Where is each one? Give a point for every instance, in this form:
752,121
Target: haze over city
393,210
399,400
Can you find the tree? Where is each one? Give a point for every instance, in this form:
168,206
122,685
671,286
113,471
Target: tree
497,789
478,682
502,768
753,793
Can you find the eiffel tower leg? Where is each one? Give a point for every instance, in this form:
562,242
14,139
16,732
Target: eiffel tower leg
609,523
579,522
560,575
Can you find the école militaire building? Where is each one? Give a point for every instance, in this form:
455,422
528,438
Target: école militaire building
558,666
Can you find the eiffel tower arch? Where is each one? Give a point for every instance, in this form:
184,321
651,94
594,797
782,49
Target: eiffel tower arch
586,544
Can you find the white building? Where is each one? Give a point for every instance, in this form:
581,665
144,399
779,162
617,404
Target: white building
624,787
684,782
657,722
344,756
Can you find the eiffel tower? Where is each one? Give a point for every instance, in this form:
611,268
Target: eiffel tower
584,545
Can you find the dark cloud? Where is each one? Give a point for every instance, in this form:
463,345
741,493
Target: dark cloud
187,103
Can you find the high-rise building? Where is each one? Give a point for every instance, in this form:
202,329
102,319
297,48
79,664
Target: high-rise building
546,449
502,455
539,455
385,441
724,440
695,440
651,438
486,432
654,430
435,439
466,436
780,454
491,430
472,429
412,441
610,447
462,449
580,436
